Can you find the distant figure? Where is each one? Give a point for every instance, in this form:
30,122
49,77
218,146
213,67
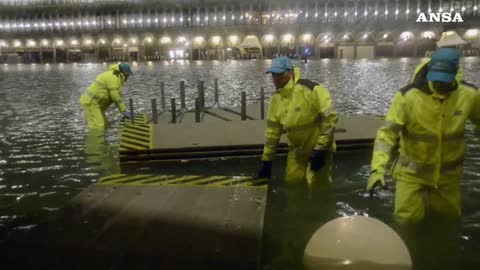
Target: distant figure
304,111
102,92
427,121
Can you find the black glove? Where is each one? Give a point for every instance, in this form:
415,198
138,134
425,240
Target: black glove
265,170
318,159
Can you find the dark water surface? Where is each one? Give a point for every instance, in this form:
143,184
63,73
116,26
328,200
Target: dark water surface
43,163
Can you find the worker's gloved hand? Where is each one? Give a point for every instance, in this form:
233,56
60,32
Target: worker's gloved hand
318,159
375,179
265,170
128,115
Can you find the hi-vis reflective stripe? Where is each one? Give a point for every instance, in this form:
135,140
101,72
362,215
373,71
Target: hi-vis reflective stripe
454,137
431,138
101,85
393,126
316,122
426,169
382,147
135,136
273,124
272,142
188,180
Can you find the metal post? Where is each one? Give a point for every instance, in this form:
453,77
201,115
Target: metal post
262,103
244,105
174,111
154,111
131,110
162,95
197,110
215,83
182,95
201,94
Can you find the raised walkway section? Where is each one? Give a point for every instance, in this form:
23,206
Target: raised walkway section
221,133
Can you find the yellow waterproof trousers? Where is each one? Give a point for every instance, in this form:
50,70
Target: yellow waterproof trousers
411,201
95,117
298,169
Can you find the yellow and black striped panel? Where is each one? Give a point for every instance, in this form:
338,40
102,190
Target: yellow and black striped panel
187,180
136,136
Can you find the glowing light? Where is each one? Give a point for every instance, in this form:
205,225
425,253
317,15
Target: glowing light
408,11
269,38
428,35
233,39
88,42
464,8
385,36
45,42
198,40
102,41
74,42
59,42
471,33
365,36
406,35
307,37
216,40
396,12
165,40
148,39
31,43
287,38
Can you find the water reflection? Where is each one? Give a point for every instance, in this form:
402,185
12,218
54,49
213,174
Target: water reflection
47,156
98,155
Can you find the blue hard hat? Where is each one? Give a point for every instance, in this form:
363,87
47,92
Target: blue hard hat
444,65
124,67
280,65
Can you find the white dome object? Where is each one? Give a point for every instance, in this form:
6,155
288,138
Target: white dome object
355,243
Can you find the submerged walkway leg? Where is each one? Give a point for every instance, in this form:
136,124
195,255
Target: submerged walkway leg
174,111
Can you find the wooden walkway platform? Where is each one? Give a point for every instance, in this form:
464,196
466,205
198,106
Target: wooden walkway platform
221,133
151,222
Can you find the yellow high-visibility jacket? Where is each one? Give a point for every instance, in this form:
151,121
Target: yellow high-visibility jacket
429,129
106,89
304,111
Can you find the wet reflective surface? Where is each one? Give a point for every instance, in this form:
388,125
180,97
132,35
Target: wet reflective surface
45,159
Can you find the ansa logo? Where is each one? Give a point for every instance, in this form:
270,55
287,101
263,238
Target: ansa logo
439,17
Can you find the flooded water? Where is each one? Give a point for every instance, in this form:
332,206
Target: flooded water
43,163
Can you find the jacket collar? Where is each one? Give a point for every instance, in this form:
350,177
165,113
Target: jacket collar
288,88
